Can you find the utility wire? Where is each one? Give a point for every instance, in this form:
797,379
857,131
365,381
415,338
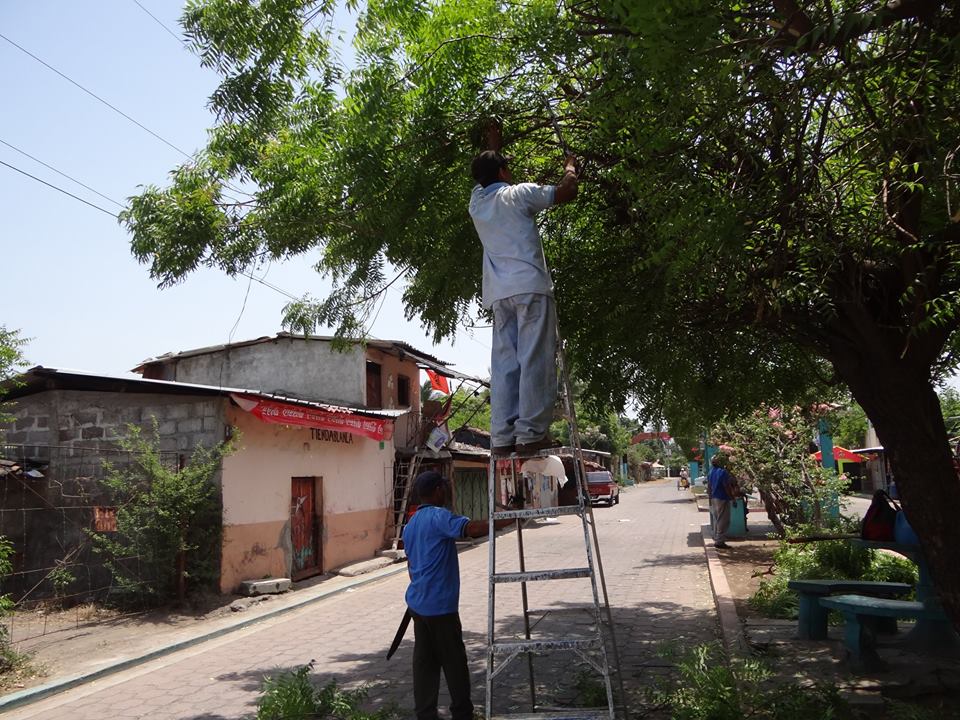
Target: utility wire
115,109
96,97
59,189
269,285
161,23
51,167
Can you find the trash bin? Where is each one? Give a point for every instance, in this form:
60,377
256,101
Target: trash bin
738,518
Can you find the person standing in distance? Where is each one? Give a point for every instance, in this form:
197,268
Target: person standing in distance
722,489
433,597
518,288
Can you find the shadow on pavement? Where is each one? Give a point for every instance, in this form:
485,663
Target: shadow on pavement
648,636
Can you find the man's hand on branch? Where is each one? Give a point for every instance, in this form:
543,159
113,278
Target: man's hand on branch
567,187
494,133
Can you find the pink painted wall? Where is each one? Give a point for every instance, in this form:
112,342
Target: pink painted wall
355,492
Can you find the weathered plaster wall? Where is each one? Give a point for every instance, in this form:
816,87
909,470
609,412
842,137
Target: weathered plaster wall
309,369
391,367
355,492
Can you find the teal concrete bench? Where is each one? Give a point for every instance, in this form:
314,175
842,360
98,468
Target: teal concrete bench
813,616
862,615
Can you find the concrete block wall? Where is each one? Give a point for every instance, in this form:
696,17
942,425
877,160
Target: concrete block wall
70,434
97,420
309,369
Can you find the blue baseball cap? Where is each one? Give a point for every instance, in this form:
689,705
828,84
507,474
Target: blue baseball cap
427,482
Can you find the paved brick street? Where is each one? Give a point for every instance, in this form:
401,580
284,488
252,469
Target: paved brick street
656,577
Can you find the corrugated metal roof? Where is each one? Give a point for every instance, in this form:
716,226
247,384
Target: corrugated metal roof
37,379
394,347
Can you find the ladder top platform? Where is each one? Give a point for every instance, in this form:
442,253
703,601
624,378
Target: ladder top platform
537,512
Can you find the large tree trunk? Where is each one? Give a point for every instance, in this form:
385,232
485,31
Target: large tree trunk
900,401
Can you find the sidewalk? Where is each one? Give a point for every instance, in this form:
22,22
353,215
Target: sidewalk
657,581
129,642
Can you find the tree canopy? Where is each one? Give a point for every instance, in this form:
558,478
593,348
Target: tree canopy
767,207
742,178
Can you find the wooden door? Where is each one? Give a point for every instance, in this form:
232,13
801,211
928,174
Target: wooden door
305,527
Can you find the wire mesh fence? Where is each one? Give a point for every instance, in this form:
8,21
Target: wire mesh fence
53,502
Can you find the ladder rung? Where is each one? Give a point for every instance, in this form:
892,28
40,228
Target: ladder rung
571,714
536,512
567,610
508,648
535,575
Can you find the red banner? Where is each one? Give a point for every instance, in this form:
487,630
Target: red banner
280,413
438,382
641,436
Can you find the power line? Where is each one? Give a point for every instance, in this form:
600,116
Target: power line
59,172
96,97
269,285
59,189
115,109
161,23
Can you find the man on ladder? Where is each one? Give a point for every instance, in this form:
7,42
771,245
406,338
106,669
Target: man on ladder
523,393
518,288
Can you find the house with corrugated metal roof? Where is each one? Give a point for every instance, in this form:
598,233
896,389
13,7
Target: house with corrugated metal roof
313,485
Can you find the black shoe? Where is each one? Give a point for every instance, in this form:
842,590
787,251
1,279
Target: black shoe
532,448
721,545
503,451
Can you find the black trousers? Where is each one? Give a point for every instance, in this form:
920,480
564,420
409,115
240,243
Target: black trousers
438,645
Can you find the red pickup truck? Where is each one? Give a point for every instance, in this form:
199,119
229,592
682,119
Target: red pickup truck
602,487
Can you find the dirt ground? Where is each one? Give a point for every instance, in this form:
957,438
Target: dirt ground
745,565
60,643
57,641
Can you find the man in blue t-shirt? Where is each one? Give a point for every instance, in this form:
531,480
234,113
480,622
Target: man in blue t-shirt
722,489
433,597
518,289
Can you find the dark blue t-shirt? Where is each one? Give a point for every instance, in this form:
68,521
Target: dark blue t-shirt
429,540
718,483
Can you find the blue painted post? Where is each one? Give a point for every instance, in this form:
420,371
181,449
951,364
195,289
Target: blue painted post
826,446
708,453
827,461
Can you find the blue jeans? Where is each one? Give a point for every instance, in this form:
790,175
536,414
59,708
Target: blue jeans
523,370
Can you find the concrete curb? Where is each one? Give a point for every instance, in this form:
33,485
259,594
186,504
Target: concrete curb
25,697
734,639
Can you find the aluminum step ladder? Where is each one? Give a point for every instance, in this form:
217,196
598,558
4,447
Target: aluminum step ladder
597,648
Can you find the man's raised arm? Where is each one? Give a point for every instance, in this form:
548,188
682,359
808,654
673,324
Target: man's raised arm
567,187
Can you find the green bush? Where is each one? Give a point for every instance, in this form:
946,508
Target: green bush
709,688
824,560
168,521
14,665
293,696
8,656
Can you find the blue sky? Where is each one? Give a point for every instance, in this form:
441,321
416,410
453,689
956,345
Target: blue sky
70,282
